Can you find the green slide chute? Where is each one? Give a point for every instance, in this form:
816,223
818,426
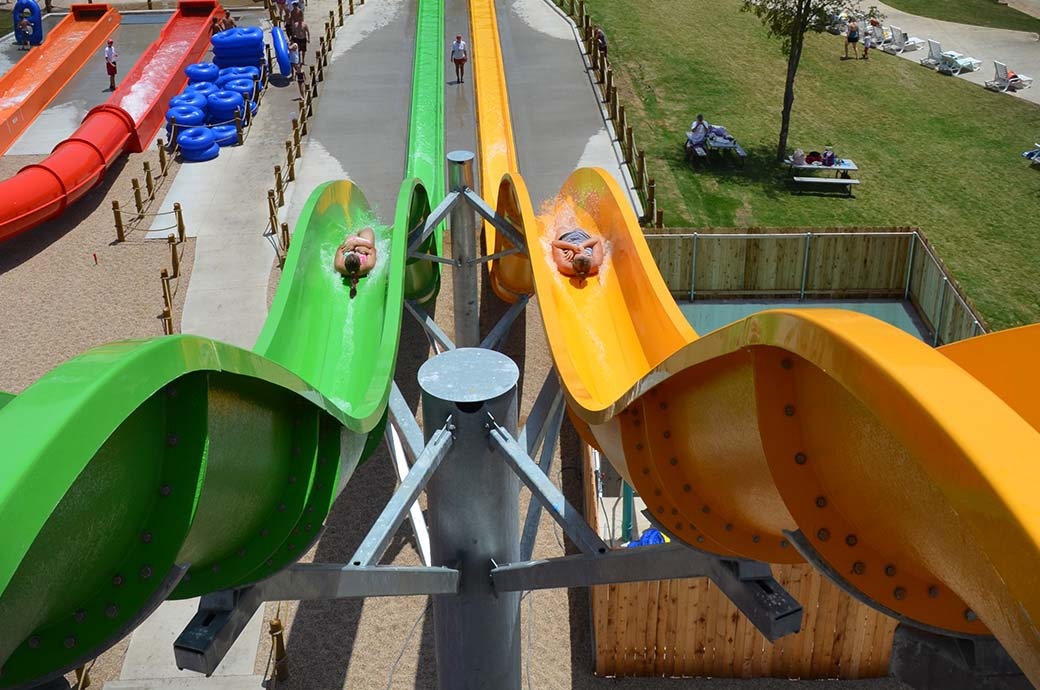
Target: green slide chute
170,467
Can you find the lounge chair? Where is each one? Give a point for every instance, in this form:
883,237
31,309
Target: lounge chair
934,57
954,63
1034,155
901,42
878,37
1005,80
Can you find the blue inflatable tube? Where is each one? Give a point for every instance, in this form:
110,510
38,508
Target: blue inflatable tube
281,50
239,73
201,155
20,7
202,88
195,139
225,101
242,86
202,71
225,135
187,116
192,99
237,38
226,63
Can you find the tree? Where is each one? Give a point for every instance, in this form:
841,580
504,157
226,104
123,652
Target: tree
790,20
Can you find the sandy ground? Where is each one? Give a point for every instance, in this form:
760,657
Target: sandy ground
55,302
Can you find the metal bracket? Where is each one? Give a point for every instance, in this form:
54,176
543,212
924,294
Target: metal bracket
500,223
436,217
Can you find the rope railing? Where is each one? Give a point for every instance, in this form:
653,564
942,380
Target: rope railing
275,231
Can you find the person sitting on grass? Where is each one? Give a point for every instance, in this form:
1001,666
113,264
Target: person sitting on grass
578,254
356,257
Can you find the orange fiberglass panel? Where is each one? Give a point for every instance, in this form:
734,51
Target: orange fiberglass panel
906,473
510,275
37,78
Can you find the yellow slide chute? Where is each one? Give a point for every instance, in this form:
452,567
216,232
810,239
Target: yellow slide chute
906,473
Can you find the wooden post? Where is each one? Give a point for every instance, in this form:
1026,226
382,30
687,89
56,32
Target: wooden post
651,200
325,54
303,118
162,154
167,313
290,173
257,90
350,7
296,135
640,170
281,663
621,123
613,104
285,236
239,130
279,187
321,71
173,135
272,210
581,12
270,60
628,144
609,81
138,202
571,11
149,4
120,233
149,181
175,258
339,9
660,217
180,220
311,97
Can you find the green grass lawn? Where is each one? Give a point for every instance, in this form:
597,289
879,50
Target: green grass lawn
935,152
978,12
6,22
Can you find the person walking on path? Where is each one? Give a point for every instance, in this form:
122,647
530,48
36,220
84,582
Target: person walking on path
297,68
852,39
301,34
459,56
110,64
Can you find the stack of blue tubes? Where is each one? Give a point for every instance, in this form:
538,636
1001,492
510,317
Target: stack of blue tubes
239,47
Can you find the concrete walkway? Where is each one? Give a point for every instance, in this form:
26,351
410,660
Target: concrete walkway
1019,50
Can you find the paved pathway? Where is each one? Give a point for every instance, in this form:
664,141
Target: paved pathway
1019,50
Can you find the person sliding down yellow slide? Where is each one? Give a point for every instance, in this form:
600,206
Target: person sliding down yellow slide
578,254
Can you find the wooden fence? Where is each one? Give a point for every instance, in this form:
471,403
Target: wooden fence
688,627
811,263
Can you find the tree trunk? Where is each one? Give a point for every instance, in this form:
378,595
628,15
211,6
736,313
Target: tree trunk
797,37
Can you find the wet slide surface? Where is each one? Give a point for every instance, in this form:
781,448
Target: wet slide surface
89,87
10,54
902,472
30,85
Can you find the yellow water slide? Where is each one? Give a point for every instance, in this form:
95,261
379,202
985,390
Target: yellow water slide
907,474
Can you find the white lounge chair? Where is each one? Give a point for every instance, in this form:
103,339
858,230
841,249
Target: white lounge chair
1005,81
954,63
878,36
901,42
934,57
1034,155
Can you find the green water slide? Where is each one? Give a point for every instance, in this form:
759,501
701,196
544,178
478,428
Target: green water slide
424,182
175,466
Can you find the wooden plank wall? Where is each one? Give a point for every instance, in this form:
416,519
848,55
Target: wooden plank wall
936,300
687,627
849,266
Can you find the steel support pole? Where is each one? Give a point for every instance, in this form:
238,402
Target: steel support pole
473,518
463,227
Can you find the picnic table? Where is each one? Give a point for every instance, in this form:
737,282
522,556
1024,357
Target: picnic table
841,169
713,142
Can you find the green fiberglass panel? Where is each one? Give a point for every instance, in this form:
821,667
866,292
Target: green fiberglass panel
346,347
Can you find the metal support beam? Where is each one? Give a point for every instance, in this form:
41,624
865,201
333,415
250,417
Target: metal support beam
388,522
403,420
501,329
542,488
435,218
500,223
545,458
222,616
438,337
463,227
399,458
473,514
549,397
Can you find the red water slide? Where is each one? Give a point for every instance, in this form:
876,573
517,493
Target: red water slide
126,123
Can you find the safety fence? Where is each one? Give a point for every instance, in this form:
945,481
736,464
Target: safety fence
688,627
802,263
616,113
